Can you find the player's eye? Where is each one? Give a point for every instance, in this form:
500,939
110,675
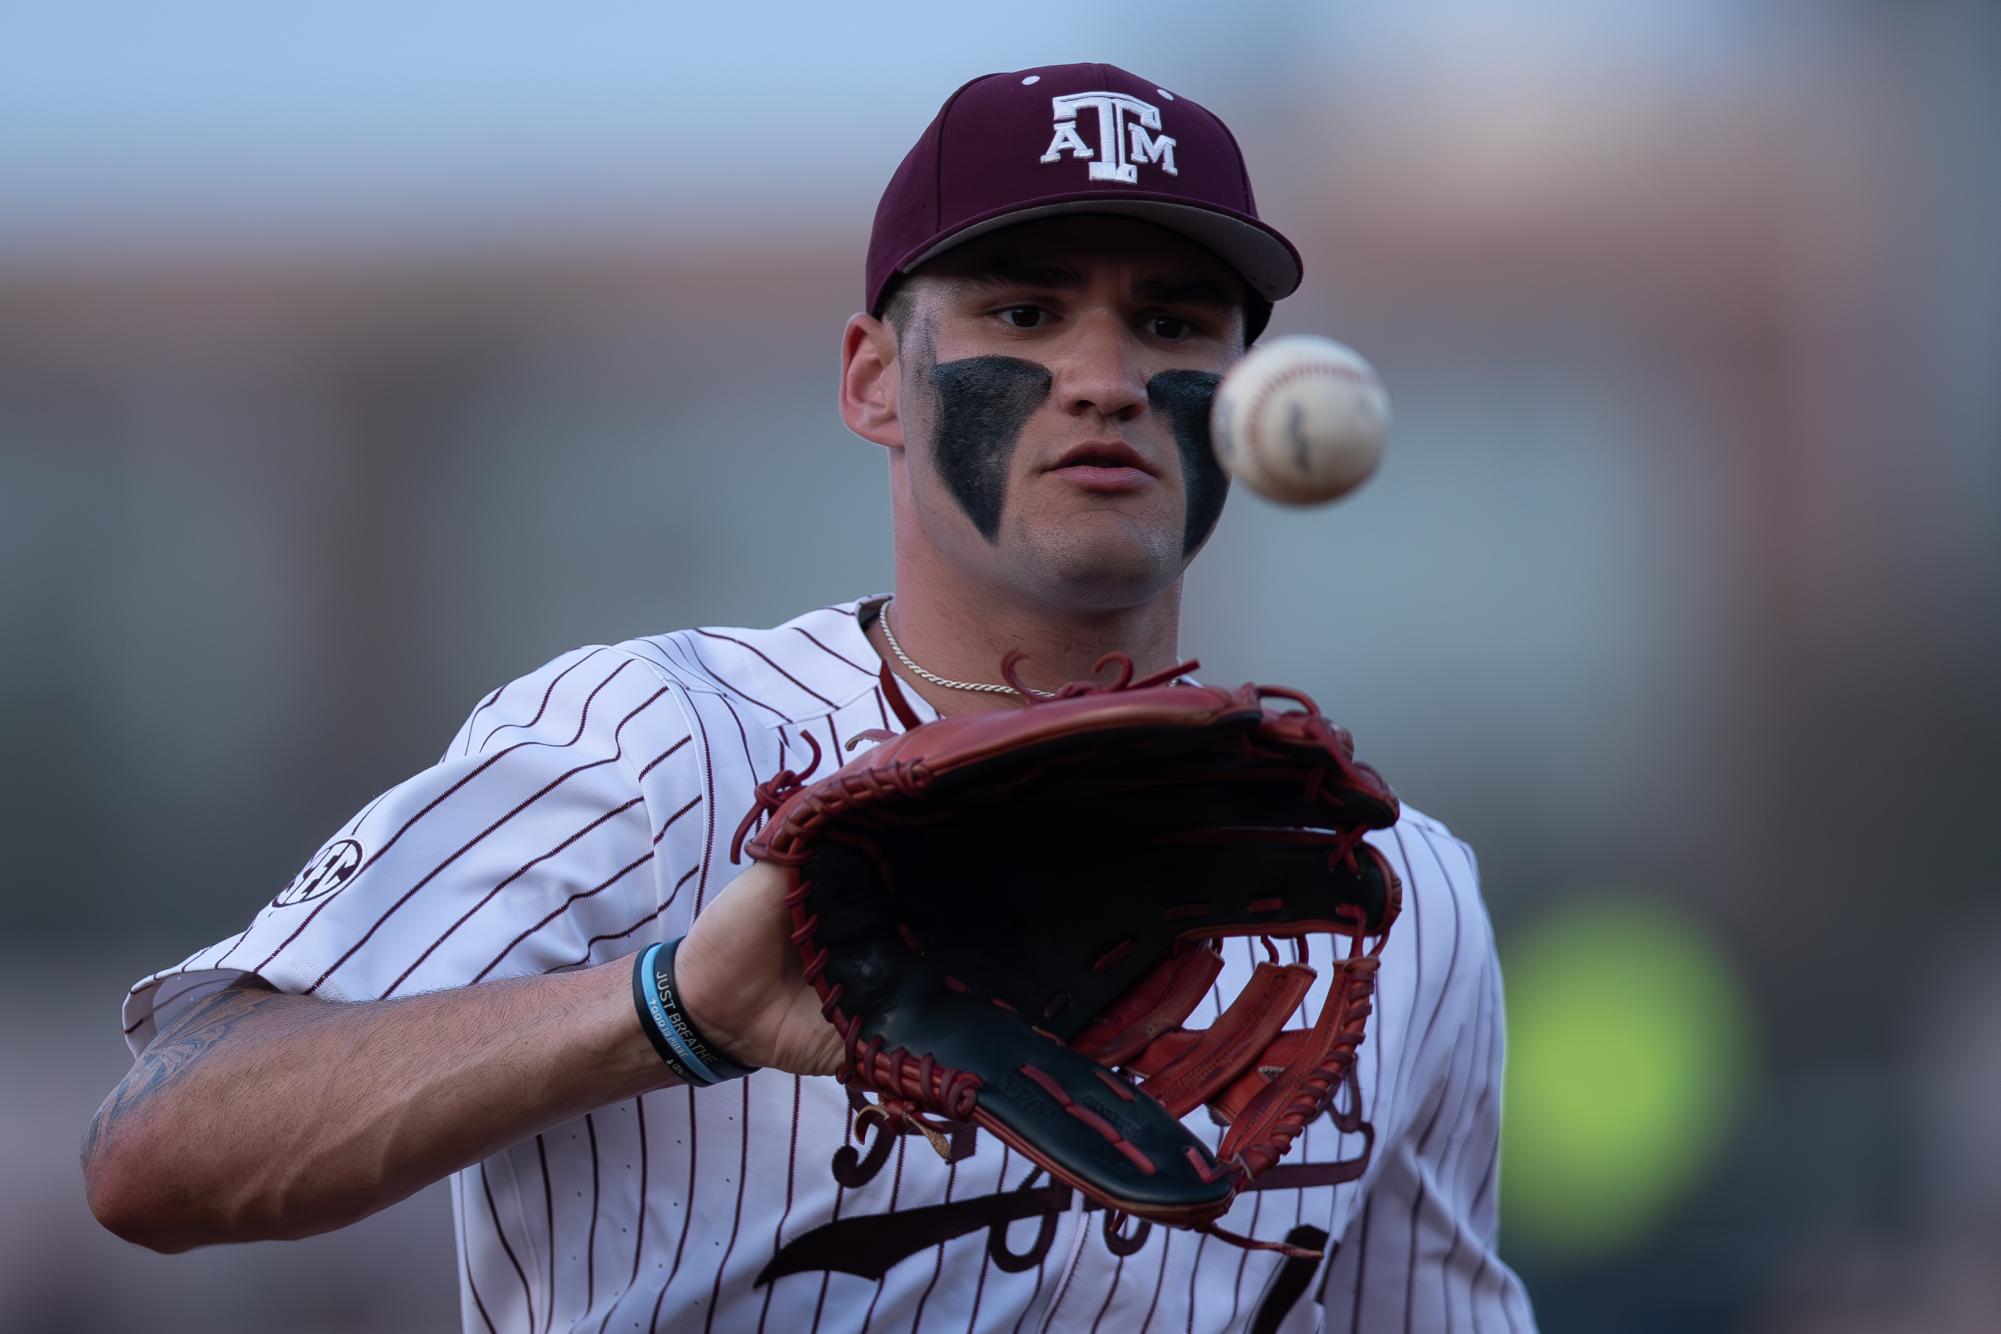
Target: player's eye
1024,317
1172,328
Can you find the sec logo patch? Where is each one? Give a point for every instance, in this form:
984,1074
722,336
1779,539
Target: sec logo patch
325,874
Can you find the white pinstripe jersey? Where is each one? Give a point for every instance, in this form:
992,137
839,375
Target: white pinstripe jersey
586,810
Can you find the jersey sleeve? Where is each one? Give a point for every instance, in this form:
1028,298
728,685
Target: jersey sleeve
1422,1250
539,841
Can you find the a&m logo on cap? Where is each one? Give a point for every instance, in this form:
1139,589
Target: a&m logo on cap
1128,134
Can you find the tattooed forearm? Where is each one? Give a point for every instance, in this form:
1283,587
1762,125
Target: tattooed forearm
176,1050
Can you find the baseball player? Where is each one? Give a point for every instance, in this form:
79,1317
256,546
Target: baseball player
1060,270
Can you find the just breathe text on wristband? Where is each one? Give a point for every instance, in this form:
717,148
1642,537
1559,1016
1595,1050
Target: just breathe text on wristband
673,1035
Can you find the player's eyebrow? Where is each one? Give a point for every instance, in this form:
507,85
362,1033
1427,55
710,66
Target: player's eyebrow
1011,273
1023,273
1184,292
1051,276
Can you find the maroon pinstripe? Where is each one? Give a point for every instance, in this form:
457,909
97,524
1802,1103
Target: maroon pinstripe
895,1189
818,698
1257,1201
1467,1128
865,671
1457,1145
1424,1043
549,1229
688,1214
547,695
493,1213
465,1258
1244,1260
791,1174
665,754
798,1088
840,1194
1496,1035
1362,1249
937,1269
653,1319
1414,912
1159,1281
986,1256
1041,1272
466,731
639,1228
556,912
750,764
1111,1291
693,802
591,1238
686,876
585,957
1492,1173
736,1220
1461,1133
1069,1277
1362,1265
1392,1100
1418,1197
708,807
702,668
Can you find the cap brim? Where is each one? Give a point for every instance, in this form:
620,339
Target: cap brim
1259,254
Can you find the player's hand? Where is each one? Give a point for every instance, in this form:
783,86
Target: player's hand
739,976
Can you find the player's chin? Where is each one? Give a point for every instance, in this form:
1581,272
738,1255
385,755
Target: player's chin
1111,561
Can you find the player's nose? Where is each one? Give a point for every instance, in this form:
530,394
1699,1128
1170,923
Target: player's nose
1100,370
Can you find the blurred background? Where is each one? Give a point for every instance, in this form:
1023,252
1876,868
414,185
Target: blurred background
356,359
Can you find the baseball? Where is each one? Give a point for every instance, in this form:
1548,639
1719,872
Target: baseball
1300,420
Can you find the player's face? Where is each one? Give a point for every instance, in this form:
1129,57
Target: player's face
1055,383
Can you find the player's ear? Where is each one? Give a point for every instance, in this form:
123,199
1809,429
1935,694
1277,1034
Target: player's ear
869,381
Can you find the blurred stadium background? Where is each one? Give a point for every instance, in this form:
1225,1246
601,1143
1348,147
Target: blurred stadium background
353,361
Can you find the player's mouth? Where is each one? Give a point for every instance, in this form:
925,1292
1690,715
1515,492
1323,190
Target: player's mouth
1104,465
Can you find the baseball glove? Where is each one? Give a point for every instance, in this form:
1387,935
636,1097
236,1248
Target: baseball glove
1008,916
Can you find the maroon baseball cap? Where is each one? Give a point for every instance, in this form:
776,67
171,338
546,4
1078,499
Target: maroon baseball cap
1035,143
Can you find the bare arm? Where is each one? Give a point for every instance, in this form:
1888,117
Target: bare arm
260,1115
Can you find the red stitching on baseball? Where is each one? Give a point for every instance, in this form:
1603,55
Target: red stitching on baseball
1322,370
